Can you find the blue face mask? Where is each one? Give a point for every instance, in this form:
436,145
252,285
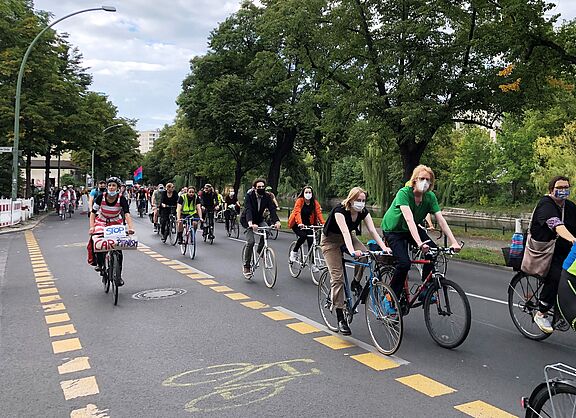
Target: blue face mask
113,193
562,194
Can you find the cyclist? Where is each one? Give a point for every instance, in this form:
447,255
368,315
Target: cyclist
188,205
306,212
156,200
553,216
408,209
141,200
64,197
272,196
73,198
110,208
95,192
168,203
567,288
344,219
230,204
209,205
255,203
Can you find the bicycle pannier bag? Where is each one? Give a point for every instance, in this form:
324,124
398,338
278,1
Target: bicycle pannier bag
537,256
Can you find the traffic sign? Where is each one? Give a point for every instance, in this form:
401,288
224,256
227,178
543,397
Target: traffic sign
5,149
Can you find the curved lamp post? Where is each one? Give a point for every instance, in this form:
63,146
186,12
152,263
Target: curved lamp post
19,88
103,132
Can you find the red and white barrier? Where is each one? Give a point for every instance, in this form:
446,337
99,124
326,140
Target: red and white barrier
14,212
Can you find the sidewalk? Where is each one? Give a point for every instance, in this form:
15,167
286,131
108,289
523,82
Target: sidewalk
24,226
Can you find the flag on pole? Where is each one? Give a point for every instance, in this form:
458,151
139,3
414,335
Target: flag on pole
138,174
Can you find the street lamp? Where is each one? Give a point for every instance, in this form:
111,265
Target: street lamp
19,88
103,132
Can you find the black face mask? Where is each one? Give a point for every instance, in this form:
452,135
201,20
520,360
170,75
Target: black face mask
261,191
102,189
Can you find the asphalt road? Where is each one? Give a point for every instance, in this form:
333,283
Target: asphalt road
231,347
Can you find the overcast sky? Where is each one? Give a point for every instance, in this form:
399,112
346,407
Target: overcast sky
139,55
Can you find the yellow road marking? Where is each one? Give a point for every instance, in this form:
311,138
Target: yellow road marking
376,362
480,409
54,307
277,315
156,255
236,296
426,385
208,282
196,276
334,342
187,271
221,289
79,387
254,304
40,270
54,319
37,258
42,274
38,263
48,291
75,365
44,285
171,263
162,259
178,267
91,411
61,330
303,328
49,278
63,346
51,298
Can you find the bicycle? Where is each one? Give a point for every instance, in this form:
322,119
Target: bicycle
170,228
62,211
141,207
314,258
523,302
416,254
233,229
189,237
270,270
556,397
382,313
436,294
208,226
219,217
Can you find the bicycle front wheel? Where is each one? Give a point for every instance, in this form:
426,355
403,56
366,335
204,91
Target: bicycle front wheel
116,274
184,243
327,309
192,244
447,314
270,270
295,267
318,265
274,233
383,318
563,396
172,232
523,301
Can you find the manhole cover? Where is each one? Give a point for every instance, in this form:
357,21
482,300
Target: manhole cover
158,294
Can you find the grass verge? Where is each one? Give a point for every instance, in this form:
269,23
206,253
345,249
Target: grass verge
482,255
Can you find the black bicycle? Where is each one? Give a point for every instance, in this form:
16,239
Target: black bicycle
112,273
556,396
208,226
170,232
233,227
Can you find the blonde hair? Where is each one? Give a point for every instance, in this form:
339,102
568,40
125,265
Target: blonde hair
352,196
417,171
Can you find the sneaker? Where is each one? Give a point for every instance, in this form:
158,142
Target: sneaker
388,308
247,273
98,268
543,322
422,295
294,257
120,282
315,269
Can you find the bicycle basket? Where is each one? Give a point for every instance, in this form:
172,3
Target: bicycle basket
514,262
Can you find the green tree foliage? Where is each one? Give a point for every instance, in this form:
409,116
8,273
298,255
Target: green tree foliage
556,155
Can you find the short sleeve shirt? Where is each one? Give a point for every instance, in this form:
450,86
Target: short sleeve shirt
331,226
393,220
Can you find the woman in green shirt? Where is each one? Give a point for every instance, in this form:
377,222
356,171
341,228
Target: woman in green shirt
409,208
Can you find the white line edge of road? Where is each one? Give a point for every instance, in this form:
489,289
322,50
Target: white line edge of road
359,343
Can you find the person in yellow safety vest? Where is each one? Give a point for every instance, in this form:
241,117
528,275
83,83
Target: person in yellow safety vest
188,205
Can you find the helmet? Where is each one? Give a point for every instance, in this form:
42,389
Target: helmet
114,180
70,186
268,188
207,185
160,186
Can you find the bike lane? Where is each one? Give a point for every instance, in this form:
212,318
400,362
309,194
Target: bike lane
213,349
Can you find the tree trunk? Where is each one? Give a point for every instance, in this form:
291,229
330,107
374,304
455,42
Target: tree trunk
284,145
238,174
27,191
47,178
411,153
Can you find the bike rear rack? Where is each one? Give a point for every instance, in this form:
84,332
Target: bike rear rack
563,372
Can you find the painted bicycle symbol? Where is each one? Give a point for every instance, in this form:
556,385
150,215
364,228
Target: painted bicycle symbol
239,384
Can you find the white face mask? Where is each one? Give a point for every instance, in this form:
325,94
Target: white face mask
231,194
423,185
307,196
358,206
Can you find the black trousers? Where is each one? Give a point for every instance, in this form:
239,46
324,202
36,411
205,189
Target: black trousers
398,243
303,235
550,287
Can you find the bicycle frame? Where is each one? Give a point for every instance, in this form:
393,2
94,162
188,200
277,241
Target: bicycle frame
262,231
352,308
310,253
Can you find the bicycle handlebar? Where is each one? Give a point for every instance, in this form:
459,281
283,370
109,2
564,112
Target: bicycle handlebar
312,227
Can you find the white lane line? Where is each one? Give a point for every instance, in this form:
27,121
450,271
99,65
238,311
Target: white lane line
359,343
472,295
236,239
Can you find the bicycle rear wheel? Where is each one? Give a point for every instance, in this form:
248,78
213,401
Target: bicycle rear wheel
325,304
317,265
564,395
383,318
236,230
295,267
523,300
270,269
274,233
447,314
115,275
